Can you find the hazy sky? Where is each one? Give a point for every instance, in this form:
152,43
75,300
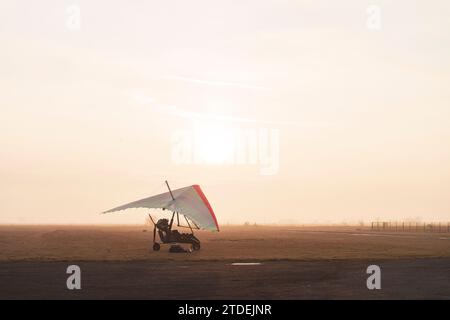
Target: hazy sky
294,111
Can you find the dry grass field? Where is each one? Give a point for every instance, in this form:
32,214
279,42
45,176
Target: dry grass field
232,243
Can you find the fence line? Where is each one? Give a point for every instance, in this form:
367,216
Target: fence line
410,226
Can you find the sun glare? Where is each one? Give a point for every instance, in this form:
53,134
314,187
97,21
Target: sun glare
214,144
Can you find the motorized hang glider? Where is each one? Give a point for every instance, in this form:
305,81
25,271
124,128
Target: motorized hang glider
189,202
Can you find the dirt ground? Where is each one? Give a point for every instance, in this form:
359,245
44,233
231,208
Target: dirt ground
290,263
234,243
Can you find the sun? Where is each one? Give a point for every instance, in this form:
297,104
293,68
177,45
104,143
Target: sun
214,143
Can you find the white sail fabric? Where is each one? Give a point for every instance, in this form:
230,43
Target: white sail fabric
189,201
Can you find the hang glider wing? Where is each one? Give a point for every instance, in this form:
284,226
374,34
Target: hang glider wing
189,201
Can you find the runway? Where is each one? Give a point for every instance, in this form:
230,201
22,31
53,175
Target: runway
334,279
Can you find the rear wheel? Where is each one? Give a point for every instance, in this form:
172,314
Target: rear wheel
156,246
196,246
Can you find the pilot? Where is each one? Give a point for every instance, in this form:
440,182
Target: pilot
175,235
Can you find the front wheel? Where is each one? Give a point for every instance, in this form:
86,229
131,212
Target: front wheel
196,246
156,246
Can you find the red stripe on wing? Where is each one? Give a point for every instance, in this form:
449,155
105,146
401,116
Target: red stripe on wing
206,202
